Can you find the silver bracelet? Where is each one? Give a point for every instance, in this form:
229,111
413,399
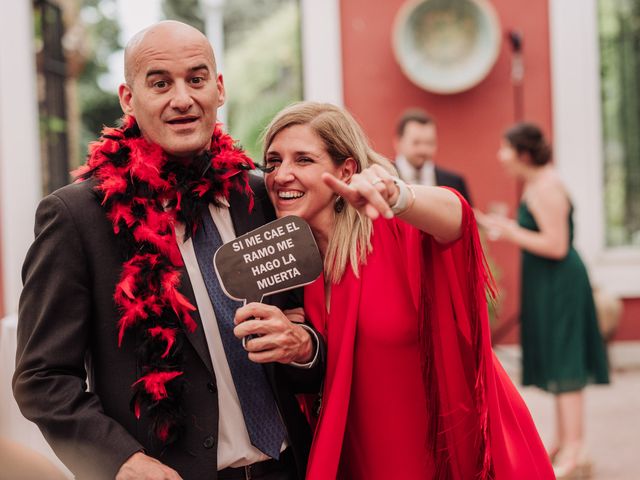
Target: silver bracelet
406,197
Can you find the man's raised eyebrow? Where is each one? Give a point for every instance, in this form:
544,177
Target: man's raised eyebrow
202,66
151,73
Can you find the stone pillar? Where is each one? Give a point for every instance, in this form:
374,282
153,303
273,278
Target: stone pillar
321,51
20,170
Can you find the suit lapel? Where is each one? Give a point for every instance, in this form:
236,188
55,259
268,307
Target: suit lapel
439,179
242,220
197,337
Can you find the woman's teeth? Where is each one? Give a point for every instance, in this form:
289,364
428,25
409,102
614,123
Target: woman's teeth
290,195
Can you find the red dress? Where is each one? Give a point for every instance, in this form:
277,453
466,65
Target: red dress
413,389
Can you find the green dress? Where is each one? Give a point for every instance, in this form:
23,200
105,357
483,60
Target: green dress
562,349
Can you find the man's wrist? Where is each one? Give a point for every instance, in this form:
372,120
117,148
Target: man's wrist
309,357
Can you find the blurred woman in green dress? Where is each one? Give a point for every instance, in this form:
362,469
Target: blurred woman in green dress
562,348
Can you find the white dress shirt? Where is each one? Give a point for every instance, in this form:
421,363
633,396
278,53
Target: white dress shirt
426,175
234,445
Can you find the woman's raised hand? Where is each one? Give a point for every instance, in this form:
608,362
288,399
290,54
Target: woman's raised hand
498,227
371,191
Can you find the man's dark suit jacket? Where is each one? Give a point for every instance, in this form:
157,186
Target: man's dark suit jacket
446,178
67,326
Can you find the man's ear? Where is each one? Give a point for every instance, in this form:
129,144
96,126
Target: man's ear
348,169
126,96
221,92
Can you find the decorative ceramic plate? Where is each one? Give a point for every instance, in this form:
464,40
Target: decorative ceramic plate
446,46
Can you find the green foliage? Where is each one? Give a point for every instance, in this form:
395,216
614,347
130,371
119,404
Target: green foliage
243,17
102,108
98,107
619,25
53,124
262,72
187,11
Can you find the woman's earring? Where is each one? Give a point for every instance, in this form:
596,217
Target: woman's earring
338,204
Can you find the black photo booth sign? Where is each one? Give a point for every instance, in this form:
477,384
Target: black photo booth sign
278,256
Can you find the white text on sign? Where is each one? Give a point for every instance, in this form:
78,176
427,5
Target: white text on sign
257,239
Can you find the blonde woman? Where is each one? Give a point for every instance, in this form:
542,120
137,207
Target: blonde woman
412,388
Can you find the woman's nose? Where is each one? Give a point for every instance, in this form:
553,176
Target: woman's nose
284,173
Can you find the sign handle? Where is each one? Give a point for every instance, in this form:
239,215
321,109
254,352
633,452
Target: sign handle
246,338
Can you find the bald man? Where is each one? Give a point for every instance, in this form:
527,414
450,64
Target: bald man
128,358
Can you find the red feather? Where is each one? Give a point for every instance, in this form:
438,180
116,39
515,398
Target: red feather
166,334
163,431
135,188
134,312
155,383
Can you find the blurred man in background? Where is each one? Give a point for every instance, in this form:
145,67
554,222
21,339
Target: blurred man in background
416,144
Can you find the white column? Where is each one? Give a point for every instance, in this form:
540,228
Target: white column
213,27
20,191
20,174
322,51
577,140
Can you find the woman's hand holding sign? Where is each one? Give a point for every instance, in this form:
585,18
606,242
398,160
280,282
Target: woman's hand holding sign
276,336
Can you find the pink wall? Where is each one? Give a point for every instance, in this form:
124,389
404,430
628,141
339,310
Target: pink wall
629,328
469,123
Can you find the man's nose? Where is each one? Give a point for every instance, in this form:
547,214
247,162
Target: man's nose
182,99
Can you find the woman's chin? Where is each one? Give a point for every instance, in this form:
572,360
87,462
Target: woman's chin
285,212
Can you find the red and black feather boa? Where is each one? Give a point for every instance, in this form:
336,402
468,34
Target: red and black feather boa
145,193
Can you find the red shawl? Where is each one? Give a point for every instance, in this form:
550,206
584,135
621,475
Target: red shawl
480,427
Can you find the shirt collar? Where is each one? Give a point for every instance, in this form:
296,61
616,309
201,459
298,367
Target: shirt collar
407,171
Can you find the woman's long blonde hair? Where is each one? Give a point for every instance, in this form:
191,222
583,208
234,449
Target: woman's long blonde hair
343,138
